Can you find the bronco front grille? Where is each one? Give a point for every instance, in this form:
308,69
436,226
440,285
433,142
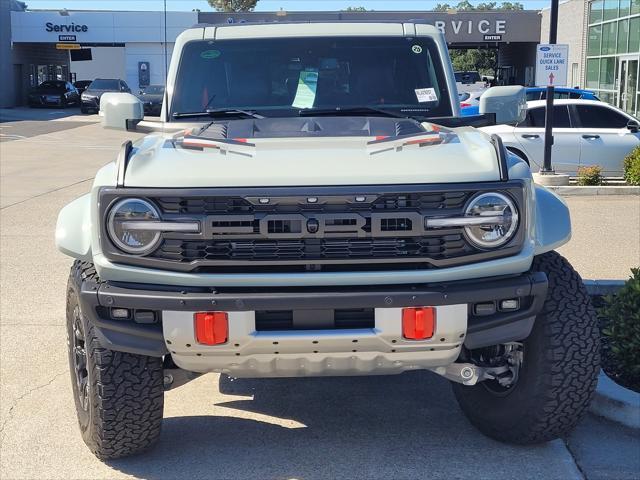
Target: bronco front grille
313,228
315,250
237,205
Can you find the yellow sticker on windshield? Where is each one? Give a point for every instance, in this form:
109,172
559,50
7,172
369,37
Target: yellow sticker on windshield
210,54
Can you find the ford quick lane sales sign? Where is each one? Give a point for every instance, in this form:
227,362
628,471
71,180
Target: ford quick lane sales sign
551,65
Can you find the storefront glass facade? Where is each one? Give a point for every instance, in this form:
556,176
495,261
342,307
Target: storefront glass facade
613,52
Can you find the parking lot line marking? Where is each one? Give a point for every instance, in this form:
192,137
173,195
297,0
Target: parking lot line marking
46,193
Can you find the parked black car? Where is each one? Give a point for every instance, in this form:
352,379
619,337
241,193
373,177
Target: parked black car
151,97
91,96
54,93
81,85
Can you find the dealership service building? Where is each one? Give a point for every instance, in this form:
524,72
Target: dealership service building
603,38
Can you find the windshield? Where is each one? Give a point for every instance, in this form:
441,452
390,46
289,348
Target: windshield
154,89
281,76
53,84
467,77
101,84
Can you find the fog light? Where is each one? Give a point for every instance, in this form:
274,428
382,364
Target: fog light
418,323
120,313
212,328
511,304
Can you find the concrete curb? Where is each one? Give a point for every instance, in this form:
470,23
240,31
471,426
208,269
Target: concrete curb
603,287
613,401
616,403
574,191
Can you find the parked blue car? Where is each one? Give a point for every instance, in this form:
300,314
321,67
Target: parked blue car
540,93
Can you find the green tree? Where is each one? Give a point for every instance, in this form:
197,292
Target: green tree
483,60
233,5
466,6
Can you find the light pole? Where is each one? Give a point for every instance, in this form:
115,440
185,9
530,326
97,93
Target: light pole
548,120
165,42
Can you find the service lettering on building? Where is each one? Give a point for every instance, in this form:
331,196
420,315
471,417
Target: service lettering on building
71,28
485,27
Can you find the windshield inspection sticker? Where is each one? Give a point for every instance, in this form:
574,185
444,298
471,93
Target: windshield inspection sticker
209,54
416,49
307,86
426,95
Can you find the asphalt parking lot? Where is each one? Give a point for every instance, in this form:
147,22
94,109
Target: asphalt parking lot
406,426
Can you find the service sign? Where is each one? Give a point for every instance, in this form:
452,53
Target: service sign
552,62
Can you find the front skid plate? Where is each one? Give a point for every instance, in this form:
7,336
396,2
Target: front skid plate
379,350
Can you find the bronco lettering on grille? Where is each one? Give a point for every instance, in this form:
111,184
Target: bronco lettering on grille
315,225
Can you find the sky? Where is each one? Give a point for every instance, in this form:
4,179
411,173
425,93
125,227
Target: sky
263,5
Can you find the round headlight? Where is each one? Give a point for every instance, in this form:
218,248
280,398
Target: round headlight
126,226
496,220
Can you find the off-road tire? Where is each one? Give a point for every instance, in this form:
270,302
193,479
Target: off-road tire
559,371
124,400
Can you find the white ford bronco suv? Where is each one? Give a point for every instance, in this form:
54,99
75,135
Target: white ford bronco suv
311,203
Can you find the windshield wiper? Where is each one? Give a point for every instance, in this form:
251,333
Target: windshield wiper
218,112
350,111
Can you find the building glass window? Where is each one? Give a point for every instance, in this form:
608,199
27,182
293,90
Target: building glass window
623,35
595,35
609,36
593,72
634,35
624,8
595,11
607,73
613,52
606,97
610,10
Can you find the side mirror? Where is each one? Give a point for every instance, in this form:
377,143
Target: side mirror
633,126
509,104
121,111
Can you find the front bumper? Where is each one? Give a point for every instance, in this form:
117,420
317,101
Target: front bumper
253,353
46,101
92,103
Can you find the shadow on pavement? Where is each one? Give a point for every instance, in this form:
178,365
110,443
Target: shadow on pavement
41,114
405,426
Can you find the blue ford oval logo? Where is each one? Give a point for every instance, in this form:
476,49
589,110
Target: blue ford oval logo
545,49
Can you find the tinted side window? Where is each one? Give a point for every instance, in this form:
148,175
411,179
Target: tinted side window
535,117
533,96
594,116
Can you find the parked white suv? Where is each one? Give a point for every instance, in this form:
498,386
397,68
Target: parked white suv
585,133
311,203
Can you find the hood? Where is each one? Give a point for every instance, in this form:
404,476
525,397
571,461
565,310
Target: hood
151,97
311,157
98,92
48,91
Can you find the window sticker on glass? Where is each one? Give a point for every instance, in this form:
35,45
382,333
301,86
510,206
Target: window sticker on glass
210,54
307,86
426,95
416,49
